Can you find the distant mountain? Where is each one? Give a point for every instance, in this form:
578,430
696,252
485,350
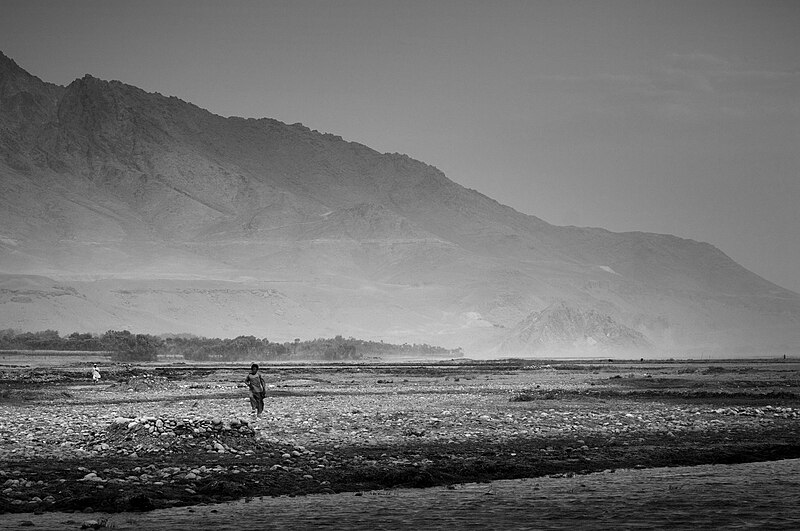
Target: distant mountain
126,209
565,328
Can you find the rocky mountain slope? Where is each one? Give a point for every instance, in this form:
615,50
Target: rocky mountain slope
125,209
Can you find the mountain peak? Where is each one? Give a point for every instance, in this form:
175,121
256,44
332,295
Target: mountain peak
25,101
12,76
7,63
10,67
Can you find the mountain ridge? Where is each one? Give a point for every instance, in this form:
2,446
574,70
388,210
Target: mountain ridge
103,180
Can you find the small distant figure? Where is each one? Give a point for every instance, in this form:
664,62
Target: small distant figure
95,374
258,390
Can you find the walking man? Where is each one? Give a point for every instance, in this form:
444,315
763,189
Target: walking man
258,390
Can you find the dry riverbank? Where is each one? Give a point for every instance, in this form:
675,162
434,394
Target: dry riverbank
746,496
151,438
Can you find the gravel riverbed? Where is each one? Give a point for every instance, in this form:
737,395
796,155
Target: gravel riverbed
152,437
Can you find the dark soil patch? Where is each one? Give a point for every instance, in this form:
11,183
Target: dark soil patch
655,394
357,469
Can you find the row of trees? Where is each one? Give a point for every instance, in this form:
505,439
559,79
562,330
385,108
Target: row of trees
48,340
240,348
123,345
252,348
126,346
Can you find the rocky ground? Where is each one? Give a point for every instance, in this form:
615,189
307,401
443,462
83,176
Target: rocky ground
151,437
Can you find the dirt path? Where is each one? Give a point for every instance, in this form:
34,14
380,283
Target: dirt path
746,496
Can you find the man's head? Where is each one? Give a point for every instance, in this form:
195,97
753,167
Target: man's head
254,368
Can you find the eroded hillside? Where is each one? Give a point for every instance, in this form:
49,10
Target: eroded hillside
150,213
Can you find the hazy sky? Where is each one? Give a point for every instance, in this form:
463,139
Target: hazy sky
669,116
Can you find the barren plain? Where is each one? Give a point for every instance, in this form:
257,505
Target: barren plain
153,437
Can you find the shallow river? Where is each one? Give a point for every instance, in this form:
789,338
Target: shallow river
749,496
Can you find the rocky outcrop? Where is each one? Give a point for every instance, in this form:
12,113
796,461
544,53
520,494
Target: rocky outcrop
560,327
